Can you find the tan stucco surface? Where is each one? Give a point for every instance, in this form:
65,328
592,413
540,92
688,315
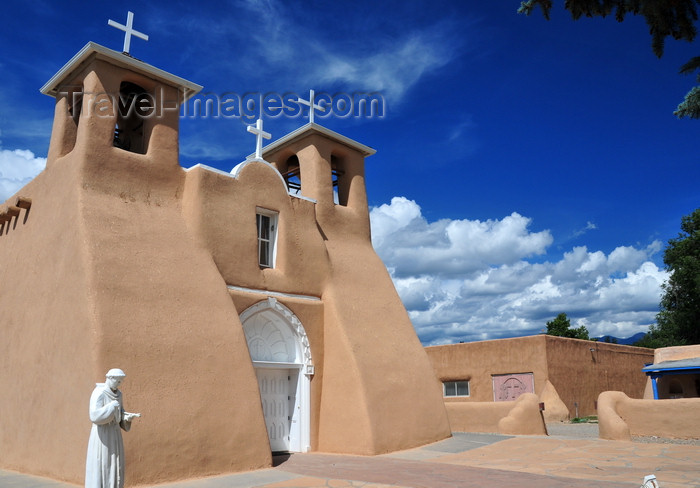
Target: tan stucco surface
676,353
519,417
478,361
555,409
124,261
46,361
581,374
621,417
566,371
477,416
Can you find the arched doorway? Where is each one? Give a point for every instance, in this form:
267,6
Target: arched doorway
281,357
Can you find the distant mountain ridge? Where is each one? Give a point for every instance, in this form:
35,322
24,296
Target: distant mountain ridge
628,341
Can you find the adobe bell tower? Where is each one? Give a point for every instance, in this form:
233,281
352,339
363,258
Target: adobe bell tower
329,168
113,107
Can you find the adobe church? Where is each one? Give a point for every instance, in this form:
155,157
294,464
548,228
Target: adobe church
248,310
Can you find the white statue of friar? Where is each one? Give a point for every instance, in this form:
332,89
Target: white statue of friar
104,467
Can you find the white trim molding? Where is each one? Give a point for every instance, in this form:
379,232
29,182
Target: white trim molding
291,319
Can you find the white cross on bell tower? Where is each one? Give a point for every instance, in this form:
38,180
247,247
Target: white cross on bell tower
260,134
128,31
310,103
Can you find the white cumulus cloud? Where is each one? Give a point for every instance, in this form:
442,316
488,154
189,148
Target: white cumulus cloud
413,246
17,168
473,280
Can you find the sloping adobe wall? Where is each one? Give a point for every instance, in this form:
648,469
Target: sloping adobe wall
581,370
104,274
555,408
379,391
47,325
166,318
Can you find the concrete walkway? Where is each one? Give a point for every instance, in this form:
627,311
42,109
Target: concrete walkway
465,460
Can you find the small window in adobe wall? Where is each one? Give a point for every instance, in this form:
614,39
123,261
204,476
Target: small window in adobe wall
456,388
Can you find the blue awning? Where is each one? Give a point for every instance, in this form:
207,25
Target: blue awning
679,366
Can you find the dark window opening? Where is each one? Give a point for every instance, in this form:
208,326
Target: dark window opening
340,189
135,105
337,171
75,106
292,175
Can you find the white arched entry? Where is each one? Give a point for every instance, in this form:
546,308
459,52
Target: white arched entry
282,360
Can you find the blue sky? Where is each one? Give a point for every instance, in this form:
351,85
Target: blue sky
524,168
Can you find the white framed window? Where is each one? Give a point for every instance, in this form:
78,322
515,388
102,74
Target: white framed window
266,221
456,388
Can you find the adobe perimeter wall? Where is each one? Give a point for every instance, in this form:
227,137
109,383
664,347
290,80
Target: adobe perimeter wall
478,361
564,370
676,353
621,417
518,417
581,370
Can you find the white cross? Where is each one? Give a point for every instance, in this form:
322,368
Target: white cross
310,103
259,135
129,31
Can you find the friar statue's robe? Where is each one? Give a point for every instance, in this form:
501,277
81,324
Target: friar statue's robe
104,467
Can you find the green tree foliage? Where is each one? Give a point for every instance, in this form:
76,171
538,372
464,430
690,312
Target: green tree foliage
561,326
678,322
690,107
665,18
